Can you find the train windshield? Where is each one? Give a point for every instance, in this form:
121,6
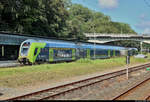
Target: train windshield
24,51
25,48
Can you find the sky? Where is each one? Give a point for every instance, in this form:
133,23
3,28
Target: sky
136,13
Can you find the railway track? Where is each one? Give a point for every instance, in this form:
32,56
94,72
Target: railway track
147,98
134,90
62,90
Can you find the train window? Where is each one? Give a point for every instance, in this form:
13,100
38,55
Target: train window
26,44
35,52
24,51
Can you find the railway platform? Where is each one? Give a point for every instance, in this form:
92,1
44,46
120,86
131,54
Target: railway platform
9,63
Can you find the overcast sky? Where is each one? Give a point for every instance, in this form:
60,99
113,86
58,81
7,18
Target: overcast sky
134,12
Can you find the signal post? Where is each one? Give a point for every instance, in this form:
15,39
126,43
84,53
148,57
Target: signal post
127,62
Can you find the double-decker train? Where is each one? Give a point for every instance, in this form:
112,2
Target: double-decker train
37,51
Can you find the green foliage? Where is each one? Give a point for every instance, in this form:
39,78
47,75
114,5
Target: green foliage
83,20
55,18
32,75
39,17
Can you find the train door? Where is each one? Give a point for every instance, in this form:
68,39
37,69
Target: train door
77,53
73,54
88,53
51,54
109,53
81,53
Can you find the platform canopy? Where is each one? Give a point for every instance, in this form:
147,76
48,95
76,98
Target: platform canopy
17,39
6,39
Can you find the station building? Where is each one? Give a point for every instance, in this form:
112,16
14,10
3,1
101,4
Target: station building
10,44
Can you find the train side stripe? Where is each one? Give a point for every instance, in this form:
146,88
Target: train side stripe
31,56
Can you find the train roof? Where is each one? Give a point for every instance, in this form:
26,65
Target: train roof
103,47
132,48
55,43
66,44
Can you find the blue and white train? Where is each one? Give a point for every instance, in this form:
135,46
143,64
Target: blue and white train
35,51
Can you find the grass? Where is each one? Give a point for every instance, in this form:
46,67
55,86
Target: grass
30,75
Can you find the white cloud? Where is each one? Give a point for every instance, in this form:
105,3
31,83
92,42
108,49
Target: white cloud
143,24
146,31
143,16
108,3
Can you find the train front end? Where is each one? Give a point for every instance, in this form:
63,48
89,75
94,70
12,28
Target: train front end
23,53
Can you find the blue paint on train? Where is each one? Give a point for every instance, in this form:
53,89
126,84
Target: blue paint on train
68,51
60,45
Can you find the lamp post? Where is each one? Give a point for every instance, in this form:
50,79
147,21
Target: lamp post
94,45
94,40
127,63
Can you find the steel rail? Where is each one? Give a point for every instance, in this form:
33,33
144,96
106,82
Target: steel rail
130,89
147,98
131,69
80,87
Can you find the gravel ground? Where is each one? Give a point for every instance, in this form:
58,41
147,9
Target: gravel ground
98,92
139,93
6,92
108,89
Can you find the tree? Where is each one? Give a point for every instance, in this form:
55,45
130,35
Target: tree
55,18
39,17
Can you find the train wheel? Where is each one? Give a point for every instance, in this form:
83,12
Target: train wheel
20,62
38,62
29,63
24,62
